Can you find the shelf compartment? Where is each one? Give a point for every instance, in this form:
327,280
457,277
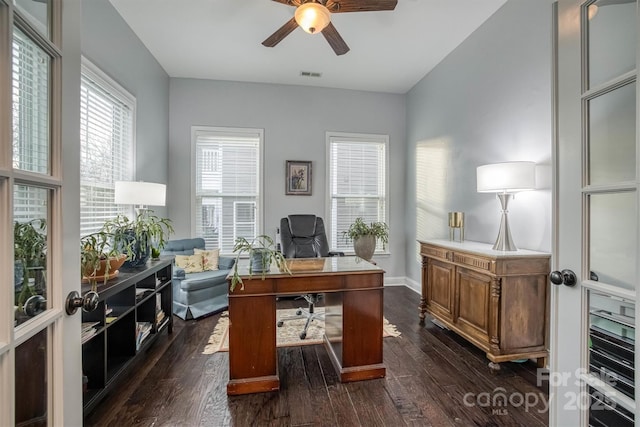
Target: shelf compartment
93,361
164,274
146,311
121,344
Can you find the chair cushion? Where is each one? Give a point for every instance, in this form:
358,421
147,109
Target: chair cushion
302,225
209,258
190,263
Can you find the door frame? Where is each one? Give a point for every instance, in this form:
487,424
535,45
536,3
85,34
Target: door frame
64,395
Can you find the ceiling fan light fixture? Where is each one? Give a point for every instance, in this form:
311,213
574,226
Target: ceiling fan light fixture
312,17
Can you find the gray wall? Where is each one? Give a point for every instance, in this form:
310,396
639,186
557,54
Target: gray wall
489,101
294,119
110,44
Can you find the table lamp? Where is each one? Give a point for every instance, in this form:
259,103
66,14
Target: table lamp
141,194
505,179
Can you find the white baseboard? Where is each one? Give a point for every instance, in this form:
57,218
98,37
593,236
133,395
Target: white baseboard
403,281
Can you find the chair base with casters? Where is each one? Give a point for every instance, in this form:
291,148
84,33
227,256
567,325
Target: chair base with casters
304,313
303,236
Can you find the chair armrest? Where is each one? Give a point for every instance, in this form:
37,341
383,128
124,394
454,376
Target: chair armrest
178,273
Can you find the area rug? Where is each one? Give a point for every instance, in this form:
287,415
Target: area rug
287,335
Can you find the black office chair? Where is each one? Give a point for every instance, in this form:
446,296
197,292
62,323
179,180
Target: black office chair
303,236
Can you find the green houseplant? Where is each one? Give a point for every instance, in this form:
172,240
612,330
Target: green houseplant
30,256
365,236
142,234
261,252
99,258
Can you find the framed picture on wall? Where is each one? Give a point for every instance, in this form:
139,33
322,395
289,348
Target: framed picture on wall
298,178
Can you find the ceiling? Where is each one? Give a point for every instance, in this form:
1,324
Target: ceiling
221,40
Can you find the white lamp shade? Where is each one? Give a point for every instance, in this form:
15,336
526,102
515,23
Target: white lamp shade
312,17
140,193
508,177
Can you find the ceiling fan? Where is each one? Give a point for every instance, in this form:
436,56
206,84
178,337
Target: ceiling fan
315,16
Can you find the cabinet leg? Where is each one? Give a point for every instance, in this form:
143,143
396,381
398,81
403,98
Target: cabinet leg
494,368
541,362
423,308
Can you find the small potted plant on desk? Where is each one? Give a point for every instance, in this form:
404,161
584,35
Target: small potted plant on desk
262,253
146,234
365,237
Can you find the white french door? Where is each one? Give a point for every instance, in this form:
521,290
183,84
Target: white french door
596,196
40,352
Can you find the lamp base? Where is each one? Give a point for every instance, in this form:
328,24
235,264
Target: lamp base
504,241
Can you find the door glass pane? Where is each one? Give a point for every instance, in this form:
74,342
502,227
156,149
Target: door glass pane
30,252
612,36
612,249
611,354
612,136
37,12
30,94
31,381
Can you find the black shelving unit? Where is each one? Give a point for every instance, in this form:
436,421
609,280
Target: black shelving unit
138,299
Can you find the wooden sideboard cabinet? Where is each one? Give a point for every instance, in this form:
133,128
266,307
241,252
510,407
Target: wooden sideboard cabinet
499,301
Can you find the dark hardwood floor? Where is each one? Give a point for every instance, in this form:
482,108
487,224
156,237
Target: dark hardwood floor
433,378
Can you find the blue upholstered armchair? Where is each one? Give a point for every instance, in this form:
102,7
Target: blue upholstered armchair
198,294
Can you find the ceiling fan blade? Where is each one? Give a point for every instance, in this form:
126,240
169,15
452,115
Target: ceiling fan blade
338,6
281,33
335,40
295,3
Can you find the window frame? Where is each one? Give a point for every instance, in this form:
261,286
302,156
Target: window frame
259,202
92,72
363,138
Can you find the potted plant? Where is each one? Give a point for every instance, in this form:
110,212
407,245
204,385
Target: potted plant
365,237
30,255
146,232
100,259
261,252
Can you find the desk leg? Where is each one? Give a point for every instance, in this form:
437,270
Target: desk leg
253,363
354,333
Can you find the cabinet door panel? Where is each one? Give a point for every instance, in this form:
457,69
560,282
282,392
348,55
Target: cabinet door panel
522,321
440,292
474,290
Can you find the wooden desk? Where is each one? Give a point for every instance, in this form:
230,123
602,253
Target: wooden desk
353,291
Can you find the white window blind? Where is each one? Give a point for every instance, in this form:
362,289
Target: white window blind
357,182
30,115
227,185
107,115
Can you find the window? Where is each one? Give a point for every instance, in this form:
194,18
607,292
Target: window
107,114
357,183
227,185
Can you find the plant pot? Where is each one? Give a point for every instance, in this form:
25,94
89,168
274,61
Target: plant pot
257,264
365,246
139,257
114,264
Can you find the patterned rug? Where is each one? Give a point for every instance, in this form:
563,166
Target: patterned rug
287,335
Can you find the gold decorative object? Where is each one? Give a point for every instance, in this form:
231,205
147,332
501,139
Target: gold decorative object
456,221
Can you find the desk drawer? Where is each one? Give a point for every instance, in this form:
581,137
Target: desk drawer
308,284
474,261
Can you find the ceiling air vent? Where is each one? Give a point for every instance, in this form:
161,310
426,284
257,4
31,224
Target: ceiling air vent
310,74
